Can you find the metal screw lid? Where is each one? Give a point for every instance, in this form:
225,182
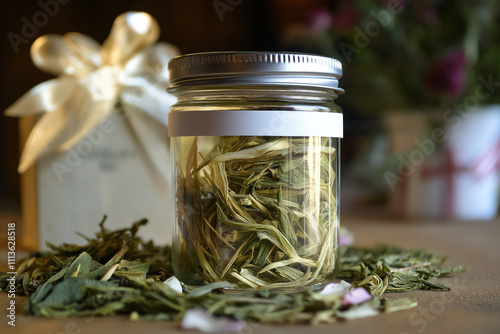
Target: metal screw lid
255,68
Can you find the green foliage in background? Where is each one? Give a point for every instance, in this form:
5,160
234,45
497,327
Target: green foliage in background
408,55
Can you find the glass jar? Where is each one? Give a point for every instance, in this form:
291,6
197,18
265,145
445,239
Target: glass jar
255,143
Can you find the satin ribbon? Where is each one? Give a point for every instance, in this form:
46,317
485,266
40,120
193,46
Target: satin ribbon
128,70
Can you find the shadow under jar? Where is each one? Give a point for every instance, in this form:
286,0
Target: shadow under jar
255,143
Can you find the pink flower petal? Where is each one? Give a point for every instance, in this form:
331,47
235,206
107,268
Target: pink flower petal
345,241
346,237
356,296
318,20
346,17
447,75
201,320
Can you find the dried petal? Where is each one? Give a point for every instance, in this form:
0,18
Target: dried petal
362,311
110,272
346,237
201,320
174,284
335,289
356,296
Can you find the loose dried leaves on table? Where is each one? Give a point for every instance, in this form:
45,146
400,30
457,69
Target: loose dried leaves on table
107,248
117,273
385,268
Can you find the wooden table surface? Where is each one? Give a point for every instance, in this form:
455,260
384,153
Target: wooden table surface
472,306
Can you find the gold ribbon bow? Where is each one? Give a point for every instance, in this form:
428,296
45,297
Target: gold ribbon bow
128,69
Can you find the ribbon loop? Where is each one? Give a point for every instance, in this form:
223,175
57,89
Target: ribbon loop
131,32
51,54
153,62
85,48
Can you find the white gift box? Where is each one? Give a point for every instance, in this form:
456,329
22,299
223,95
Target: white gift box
462,180
475,143
108,175
84,157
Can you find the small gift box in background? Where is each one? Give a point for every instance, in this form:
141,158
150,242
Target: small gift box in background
101,145
460,179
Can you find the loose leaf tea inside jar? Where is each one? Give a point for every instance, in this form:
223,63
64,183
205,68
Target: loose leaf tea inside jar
260,212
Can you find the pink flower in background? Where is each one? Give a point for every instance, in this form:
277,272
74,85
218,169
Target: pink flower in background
426,12
345,17
392,3
447,75
345,241
346,237
429,16
318,20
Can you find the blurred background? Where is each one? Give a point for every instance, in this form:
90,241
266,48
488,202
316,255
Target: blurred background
422,81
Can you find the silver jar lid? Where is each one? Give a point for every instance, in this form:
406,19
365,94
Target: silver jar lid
255,68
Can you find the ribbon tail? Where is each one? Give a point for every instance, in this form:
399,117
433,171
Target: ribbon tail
55,128
44,97
95,114
153,138
48,133
139,93
96,101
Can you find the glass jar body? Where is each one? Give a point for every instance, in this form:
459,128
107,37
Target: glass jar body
258,211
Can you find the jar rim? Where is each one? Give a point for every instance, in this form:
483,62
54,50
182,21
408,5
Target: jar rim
255,68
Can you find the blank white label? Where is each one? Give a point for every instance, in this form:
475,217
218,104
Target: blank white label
255,123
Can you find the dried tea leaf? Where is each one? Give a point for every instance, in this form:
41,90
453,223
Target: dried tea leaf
203,290
399,304
70,292
80,265
42,292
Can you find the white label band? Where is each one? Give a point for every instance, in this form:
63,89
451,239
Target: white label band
255,123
